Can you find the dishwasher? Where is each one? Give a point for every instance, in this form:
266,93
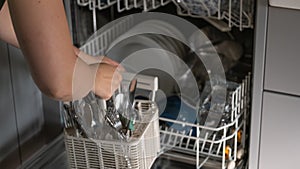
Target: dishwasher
129,28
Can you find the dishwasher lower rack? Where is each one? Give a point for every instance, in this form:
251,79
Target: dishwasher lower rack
225,145
138,153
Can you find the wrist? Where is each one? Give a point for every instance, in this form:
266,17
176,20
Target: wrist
83,77
76,50
88,59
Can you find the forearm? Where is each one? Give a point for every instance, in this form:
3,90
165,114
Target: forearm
64,92
7,32
43,35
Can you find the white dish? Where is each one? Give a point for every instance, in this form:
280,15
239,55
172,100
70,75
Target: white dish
123,52
168,30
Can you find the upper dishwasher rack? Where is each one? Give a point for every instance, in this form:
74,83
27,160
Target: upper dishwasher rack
146,5
223,14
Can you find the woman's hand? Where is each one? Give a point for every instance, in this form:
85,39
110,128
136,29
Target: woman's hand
107,74
108,78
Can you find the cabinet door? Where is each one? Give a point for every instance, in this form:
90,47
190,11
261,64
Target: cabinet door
28,105
282,56
38,117
280,135
9,150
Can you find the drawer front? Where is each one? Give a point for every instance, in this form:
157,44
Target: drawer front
294,4
280,132
282,72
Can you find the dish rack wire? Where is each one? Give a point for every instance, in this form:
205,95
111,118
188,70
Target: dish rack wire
226,145
223,14
99,43
236,13
123,5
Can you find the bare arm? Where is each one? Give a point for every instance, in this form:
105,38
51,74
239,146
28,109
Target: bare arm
43,35
7,32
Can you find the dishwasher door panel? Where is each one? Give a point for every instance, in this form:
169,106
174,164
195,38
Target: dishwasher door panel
8,130
28,103
282,55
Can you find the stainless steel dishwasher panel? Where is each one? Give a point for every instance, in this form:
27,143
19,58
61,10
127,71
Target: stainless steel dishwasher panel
8,128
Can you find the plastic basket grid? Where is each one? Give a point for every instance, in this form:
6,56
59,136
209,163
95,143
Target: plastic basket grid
136,154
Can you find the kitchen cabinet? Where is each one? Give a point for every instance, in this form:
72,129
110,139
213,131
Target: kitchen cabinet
280,136
9,134
294,4
28,103
274,138
29,121
282,55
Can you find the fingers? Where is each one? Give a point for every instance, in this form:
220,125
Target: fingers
96,59
109,61
108,76
113,63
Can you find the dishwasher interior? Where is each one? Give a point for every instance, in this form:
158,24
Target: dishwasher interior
228,26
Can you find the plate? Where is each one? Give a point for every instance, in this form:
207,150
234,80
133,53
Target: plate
123,51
